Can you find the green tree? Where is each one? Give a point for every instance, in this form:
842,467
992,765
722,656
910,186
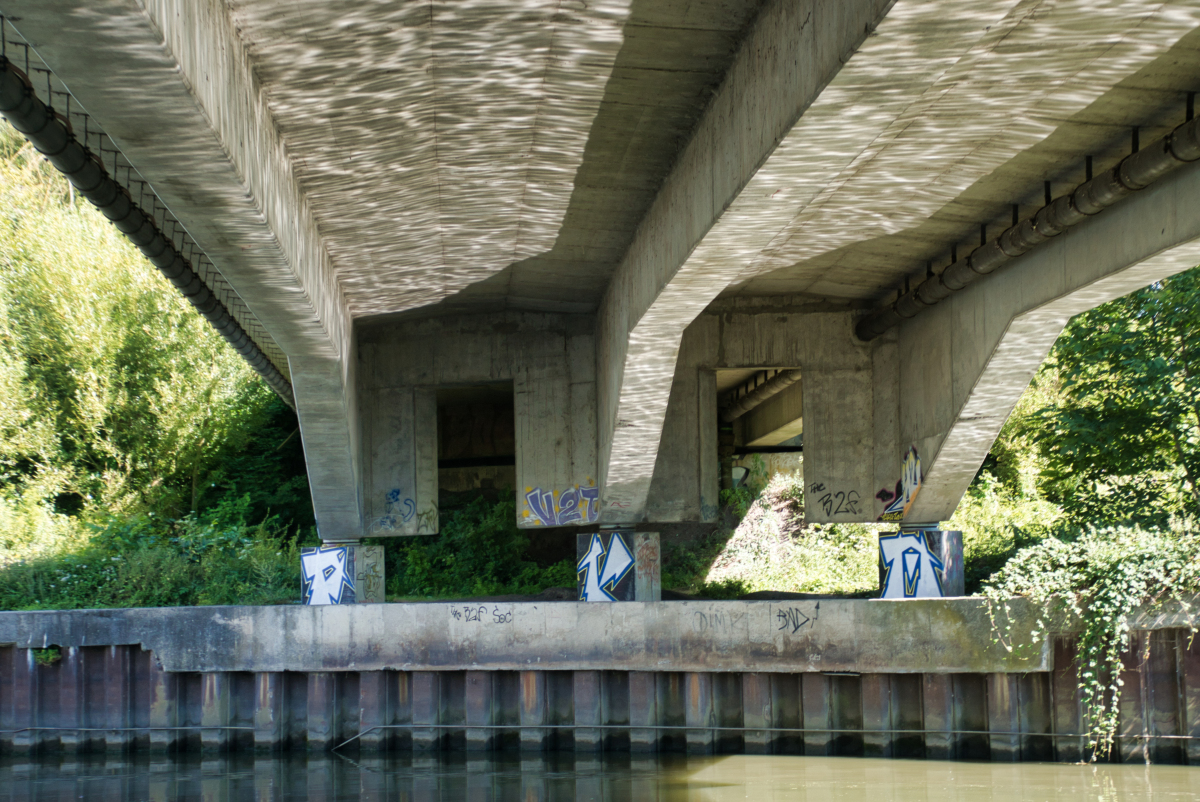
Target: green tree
1122,440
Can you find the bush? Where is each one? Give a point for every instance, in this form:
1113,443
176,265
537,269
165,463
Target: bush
1097,579
479,552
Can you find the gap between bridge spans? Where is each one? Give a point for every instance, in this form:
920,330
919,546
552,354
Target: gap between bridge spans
52,136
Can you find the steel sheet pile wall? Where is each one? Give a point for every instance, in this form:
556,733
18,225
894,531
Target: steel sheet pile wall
119,699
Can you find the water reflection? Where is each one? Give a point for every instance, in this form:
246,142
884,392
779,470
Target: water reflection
569,777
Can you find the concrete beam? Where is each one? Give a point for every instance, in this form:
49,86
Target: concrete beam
704,224
964,363
171,83
778,418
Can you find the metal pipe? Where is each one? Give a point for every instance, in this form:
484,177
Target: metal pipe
50,134
1136,171
776,384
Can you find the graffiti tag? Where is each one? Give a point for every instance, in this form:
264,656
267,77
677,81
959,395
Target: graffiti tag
325,579
602,569
575,505
918,577
481,615
793,619
906,488
841,502
715,622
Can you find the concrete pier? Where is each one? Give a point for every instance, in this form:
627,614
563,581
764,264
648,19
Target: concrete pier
213,680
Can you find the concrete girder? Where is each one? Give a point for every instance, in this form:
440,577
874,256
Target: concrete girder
187,111
704,224
964,364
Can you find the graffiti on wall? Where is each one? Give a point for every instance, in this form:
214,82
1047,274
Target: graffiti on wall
399,510
910,568
327,576
575,505
603,567
899,502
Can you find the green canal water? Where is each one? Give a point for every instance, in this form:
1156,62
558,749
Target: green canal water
566,777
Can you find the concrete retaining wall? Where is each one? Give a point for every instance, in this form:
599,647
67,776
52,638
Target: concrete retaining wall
856,677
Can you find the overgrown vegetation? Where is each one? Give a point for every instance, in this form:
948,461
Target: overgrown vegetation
141,461
479,552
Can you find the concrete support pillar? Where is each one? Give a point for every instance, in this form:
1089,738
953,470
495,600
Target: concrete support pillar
816,695
118,739
369,576
164,705
699,712
757,711
216,710
374,711
1067,711
533,711
937,696
878,721
426,709
268,711
643,711
589,706
1004,717
479,705
647,557
322,711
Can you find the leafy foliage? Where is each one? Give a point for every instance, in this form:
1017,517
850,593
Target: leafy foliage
1098,579
479,552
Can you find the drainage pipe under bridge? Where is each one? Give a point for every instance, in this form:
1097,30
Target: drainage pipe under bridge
814,677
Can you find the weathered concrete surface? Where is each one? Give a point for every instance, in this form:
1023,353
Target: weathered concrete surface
703,221
830,635
965,362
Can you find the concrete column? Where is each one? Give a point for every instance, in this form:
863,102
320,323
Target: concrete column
426,708
268,711
1064,693
117,672
369,575
817,711
643,711
757,711
589,706
937,696
322,720
647,555
373,710
216,711
164,705
699,712
877,715
1004,717
478,703
533,711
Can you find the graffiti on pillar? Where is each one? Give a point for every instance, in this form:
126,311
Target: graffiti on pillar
906,489
327,575
602,567
397,511
575,505
910,568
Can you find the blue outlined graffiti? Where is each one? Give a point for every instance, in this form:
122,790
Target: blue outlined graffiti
919,574
601,570
575,505
325,575
397,511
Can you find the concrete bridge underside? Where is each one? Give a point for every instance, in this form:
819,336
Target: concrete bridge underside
541,245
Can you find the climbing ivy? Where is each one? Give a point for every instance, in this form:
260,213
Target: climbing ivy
1096,581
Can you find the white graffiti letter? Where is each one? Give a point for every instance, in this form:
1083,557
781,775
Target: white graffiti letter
325,578
599,580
